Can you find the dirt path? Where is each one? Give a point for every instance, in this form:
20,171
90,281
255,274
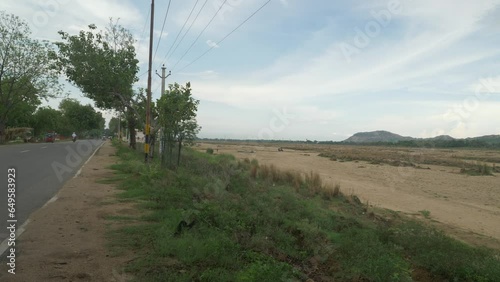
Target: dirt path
65,240
464,206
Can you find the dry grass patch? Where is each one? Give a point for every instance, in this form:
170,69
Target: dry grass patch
311,181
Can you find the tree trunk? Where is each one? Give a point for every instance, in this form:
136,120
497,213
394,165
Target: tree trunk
163,141
131,127
170,155
2,132
152,147
179,152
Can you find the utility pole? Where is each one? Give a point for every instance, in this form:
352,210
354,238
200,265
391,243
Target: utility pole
163,77
148,103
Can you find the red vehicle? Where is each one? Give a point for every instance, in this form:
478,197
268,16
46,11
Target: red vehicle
50,137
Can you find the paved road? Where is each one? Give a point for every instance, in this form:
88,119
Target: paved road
41,170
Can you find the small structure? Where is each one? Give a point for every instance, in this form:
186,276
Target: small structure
24,133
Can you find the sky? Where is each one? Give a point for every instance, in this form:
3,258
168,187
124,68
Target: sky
317,70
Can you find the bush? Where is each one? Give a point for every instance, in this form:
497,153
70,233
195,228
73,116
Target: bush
210,151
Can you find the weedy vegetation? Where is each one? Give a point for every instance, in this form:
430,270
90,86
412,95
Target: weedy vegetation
219,219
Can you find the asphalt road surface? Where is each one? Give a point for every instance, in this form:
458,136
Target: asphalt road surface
41,169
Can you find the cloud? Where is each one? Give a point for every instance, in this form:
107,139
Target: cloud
212,44
209,74
284,3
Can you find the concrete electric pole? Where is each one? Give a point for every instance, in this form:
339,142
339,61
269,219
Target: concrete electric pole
148,103
163,78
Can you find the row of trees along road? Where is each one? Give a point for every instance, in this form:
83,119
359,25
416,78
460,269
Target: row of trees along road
26,73
103,65
71,117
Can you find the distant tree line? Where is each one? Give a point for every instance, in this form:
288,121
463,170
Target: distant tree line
71,116
457,143
492,141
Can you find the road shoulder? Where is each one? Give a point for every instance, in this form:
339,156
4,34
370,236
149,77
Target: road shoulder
66,239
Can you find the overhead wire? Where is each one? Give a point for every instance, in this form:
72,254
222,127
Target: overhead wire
143,74
162,28
192,23
143,32
224,38
208,24
180,31
146,22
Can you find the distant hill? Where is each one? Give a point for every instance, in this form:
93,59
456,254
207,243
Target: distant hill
376,136
381,136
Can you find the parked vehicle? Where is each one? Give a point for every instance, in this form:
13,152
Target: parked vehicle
50,137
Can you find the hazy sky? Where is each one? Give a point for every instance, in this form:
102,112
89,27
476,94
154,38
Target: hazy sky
321,70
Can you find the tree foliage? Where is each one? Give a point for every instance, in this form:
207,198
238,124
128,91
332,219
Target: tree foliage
47,119
80,118
114,124
26,72
103,65
177,116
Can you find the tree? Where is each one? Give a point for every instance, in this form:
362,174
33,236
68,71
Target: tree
104,66
26,71
47,119
21,113
177,115
114,124
79,118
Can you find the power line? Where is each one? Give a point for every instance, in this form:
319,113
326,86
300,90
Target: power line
143,32
146,22
199,12
180,31
161,33
224,38
200,33
143,74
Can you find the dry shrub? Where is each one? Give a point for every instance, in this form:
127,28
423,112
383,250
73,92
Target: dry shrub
297,180
271,172
313,181
277,175
336,190
253,171
330,192
264,171
288,176
354,200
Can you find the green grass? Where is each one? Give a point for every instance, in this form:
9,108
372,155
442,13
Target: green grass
219,219
425,213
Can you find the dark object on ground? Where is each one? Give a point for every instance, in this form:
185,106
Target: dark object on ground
183,225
